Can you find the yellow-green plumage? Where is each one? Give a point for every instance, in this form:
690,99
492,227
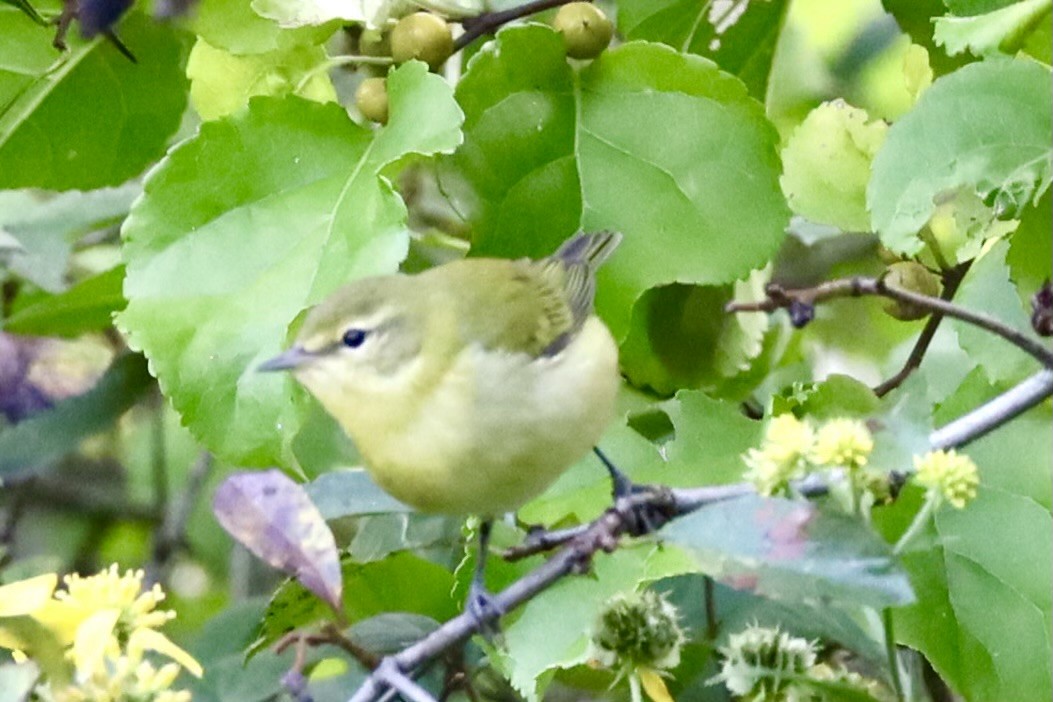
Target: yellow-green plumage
478,382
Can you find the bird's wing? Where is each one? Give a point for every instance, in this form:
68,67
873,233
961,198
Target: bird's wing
531,306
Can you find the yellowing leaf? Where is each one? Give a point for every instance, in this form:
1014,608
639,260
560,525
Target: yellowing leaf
26,596
654,685
222,83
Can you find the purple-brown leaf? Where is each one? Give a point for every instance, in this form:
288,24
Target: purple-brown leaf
274,518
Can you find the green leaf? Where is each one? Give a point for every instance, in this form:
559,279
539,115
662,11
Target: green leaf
681,337
711,436
915,18
430,536
1028,258
87,306
741,39
968,8
47,224
552,630
791,551
1002,31
34,443
976,568
229,677
660,146
987,126
233,25
303,13
350,493
221,83
247,224
29,11
827,165
401,582
987,288
95,118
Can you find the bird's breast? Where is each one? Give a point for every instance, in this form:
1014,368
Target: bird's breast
496,428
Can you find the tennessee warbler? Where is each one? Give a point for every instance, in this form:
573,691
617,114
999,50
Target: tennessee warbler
468,388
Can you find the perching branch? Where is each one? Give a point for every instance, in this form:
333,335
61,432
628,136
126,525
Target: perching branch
490,22
661,505
994,413
798,300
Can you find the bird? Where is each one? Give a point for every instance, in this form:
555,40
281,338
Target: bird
470,387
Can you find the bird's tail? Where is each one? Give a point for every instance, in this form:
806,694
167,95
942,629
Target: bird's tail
591,249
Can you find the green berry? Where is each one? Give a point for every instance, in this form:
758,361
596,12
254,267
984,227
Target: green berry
372,99
586,30
422,36
912,277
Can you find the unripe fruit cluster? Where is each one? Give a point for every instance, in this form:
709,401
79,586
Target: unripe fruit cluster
421,36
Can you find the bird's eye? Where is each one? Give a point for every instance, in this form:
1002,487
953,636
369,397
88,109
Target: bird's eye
353,338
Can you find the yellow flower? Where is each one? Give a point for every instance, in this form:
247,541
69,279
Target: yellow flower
111,590
843,442
949,475
106,622
781,458
787,439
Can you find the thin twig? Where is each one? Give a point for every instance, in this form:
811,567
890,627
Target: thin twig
663,505
332,636
952,280
779,297
490,22
171,536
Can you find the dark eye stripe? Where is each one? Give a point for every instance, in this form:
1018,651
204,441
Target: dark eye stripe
353,338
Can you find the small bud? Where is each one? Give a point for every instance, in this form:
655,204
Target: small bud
637,630
801,313
948,475
843,442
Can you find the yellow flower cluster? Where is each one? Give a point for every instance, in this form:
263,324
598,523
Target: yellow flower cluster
106,624
790,446
947,475
843,442
782,456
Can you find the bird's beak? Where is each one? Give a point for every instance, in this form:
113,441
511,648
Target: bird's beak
293,358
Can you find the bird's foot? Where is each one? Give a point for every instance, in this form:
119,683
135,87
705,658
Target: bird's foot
482,606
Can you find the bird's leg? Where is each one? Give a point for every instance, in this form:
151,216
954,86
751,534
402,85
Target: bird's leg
481,605
621,485
646,519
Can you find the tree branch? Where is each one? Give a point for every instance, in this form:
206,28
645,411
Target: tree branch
490,22
994,413
171,536
661,505
779,297
952,279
